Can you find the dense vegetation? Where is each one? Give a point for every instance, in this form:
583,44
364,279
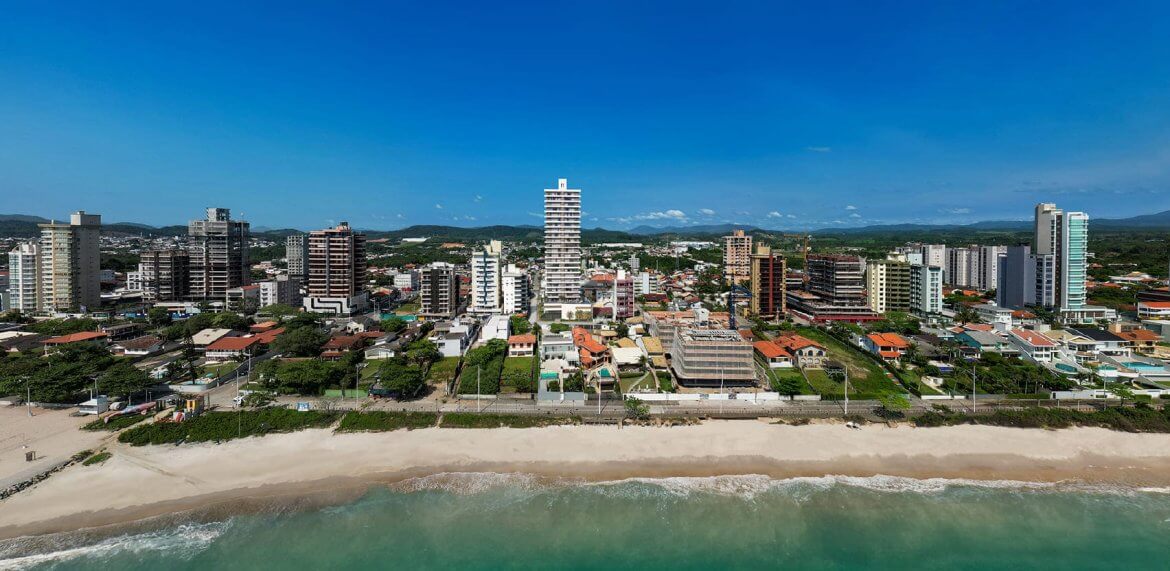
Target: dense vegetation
382,421
475,420
482,367
1140,418
116,423
218,426
67,374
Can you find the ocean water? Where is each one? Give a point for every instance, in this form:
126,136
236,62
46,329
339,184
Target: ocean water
487,521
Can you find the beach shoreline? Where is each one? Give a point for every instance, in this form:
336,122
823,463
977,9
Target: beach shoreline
317,467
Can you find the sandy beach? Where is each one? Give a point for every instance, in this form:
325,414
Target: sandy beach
138,483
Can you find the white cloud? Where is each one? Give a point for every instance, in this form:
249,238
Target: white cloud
793,216
478,198
535,214
706,212
956,211
855,215
438,206
850,207
819,149
671,214
773,214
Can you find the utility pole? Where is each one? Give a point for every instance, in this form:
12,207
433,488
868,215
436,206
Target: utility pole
973,365
477,369
846,390
28,397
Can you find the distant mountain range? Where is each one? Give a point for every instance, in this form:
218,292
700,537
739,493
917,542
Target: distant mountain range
23,225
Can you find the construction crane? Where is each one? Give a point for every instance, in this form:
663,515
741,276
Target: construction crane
735,288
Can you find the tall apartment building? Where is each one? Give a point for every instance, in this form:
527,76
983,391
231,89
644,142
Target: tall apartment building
486,277
926,283
71,263
439,291
623,295
1017,285
737,257
517,292
1065,237
24,277
217,249
712,357
958,264
283,289
888,285
337,271
934,255
768,283
974,267
296,255
406,281
562,245
835,290
645,283
164,275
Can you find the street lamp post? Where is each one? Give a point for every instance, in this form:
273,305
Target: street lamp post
477,393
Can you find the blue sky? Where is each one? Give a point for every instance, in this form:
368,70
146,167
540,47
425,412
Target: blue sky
776,114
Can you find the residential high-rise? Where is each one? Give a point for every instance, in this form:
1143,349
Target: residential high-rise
737,257
486,294
439,291
768,283
1065,237
888,285
623,295
516,289
835,290
24,277
217,250
562,245
71,263
1017,286
958,267
282,289
926,289
712,357
164,275
296,255
337,271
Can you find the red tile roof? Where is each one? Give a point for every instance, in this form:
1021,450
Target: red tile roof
1139,335
232,344
888,340
526,339
1033,338
1156,304
770,350
74,338
269,336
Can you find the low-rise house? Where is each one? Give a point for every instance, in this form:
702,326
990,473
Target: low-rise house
385,351
92,337
17,341
1034,344
559,347
265,339
985,342
807,353
1153,309
338,345
653,347
774,356
264,326
1141,340
1106,342
454,337
888,346
496,327
228,348
206,337
138,347
627,356
522,345
999,317
591,351
121,331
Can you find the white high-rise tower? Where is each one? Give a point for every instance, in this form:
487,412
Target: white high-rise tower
562,245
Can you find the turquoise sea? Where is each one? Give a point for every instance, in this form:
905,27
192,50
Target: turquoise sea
487,521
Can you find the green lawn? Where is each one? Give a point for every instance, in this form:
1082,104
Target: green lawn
776,375
912,377
442,371
219,369
866,378
665,381
519,375
408,308
628,381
